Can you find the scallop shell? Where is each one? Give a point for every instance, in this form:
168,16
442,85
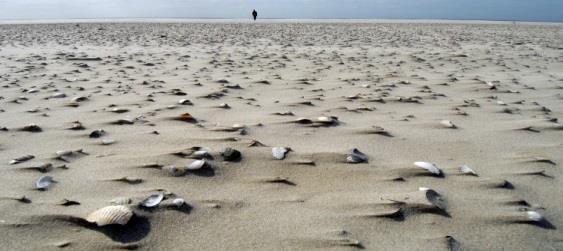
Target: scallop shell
465,169
174,171
196,165
110,215
44,182
432,168
153,200
280,152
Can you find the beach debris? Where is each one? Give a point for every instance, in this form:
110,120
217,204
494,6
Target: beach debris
97,133
465,169
110,215
196,165
448,124
432,168
44,182
21,159
153,200
280,152
174,171
356,156
230,154
31,128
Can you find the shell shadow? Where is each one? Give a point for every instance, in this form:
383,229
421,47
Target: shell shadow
545,224
136,229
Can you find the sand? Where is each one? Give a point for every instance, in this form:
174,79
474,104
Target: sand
483,95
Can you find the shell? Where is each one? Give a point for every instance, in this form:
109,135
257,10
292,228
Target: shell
356,157
21,159
432,168
106,142
121,201
280,152
186,117
196,165
58,95
448,124
119,110
179,202
97,133
44,182
153,200
174,171
326,120
185,102
534,216
465,169
79,99
110,215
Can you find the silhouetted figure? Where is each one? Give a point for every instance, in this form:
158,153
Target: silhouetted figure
254,14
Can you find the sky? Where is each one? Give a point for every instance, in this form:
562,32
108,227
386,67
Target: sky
520,10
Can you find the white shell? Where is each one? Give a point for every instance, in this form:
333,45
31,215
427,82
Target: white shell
179,202
44,182
465,169
58,95
184,102
325,119
201,154
63,153
534,216
196,165
110,215
153,200
429,166
279,152
108,142
500,102
447,124
174,171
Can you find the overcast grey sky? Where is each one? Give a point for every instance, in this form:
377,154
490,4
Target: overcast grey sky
524,10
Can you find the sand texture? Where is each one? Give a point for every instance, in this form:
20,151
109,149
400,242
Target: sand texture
281,136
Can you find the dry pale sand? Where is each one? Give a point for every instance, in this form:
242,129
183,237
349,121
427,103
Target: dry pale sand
390,89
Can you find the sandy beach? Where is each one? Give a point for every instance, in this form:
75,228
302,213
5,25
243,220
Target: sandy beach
281,136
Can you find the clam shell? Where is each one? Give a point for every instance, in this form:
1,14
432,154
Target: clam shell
153,200
110,215
280,152
432,168
174,171
44,182
196,165
448,124
465,169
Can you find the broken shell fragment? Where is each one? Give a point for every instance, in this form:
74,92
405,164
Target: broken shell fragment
110,215
186,117
448,124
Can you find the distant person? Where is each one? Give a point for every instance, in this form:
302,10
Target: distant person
254,14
